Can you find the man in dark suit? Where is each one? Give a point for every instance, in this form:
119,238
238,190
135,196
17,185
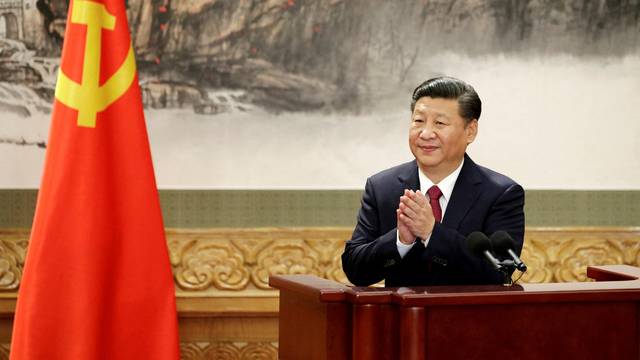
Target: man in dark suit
415,217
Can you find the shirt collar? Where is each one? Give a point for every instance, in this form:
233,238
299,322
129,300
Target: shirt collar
446,185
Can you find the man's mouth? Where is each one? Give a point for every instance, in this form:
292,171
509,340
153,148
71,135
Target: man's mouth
428,148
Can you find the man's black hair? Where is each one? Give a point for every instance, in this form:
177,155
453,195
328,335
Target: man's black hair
451,88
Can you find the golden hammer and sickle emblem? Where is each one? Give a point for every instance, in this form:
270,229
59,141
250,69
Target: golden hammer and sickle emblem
89,98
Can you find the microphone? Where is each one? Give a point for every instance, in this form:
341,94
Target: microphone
479,245
504,246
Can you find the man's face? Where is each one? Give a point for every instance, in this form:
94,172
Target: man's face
439,136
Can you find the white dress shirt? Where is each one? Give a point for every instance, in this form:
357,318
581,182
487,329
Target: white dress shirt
446,187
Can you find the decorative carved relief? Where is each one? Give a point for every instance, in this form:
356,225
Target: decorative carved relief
576,256
537,269
12,255
334,272
211,262
204,264
563,254
228,351
251,247
259,351
4,351
193,351
220,351
284,258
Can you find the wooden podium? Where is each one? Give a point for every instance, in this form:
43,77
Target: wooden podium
322,319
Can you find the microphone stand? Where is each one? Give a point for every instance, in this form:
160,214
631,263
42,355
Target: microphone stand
507,267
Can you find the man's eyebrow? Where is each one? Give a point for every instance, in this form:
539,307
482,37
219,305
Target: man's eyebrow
438,114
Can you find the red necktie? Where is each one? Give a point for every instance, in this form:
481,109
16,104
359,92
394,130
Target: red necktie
434,196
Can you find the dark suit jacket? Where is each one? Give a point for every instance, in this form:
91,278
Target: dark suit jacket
482,200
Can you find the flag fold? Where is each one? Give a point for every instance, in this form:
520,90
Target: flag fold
97,282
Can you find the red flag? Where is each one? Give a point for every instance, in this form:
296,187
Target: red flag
97,282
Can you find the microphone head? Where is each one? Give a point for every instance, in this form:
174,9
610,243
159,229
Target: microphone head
502,242
477,243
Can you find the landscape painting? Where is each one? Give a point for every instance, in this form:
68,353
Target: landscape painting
314,94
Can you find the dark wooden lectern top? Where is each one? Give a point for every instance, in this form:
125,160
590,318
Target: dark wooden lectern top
322,319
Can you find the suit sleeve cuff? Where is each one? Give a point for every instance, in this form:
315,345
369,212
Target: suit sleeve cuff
403,249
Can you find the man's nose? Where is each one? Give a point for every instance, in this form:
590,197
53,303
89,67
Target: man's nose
427,132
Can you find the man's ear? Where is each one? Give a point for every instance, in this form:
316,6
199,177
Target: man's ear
471,130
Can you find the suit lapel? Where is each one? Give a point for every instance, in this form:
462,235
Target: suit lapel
408,177
464,195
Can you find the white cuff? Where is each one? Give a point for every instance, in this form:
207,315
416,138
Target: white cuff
403,248
425,242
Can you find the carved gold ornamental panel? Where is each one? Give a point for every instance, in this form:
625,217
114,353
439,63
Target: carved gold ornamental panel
228,311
